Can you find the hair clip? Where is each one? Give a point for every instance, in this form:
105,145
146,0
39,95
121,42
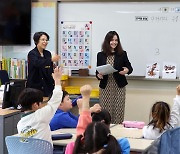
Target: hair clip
108,134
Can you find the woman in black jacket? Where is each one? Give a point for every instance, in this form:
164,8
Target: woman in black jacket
112,86
40,65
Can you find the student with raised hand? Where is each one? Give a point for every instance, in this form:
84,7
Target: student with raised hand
175,112
63,118
84,109
35,121
85,119
162,118
85,115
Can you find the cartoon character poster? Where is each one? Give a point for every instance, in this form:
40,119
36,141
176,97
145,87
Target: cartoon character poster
152,70
75,44
169,70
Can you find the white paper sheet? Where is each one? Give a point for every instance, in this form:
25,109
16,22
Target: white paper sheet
106,69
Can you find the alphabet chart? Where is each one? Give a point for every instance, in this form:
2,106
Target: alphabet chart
75,44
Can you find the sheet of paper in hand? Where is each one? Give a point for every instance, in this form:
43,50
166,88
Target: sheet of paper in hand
106,69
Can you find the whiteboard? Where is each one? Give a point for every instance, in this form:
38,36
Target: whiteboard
149,31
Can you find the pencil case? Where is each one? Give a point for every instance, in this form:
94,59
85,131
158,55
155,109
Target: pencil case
61,136
133,124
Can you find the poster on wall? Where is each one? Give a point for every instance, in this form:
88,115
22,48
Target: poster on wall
75,44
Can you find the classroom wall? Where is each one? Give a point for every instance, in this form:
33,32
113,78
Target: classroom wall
141,94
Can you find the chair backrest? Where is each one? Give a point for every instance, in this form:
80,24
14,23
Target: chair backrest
170,142
21,145
4,76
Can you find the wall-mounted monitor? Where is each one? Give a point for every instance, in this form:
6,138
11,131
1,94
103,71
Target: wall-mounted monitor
15,22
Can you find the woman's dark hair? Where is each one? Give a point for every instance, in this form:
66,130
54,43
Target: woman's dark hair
160,113
28,97
106,48
96,137
103,115
65,93
37,36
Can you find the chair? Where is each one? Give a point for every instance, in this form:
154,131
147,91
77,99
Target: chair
170,142
21,145
4,76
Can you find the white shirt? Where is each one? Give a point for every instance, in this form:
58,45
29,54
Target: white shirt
36,124
150,133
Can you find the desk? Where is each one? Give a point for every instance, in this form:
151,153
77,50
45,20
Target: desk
140,145
64,130
119,131
66,141
134,136
8,126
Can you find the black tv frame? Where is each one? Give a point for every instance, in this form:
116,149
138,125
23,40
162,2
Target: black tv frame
15,22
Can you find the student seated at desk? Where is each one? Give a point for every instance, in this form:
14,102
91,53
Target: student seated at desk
162,118
35,121
63,118
91,137
105,117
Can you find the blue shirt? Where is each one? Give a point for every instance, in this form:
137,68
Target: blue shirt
63,119
124,144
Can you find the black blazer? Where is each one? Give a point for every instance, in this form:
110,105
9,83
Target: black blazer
120,61
40,71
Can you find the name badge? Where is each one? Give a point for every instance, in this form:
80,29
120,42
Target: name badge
47,66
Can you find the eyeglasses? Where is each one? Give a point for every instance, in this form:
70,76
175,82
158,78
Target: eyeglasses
44,40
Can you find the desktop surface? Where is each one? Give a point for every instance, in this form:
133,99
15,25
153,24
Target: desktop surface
134,136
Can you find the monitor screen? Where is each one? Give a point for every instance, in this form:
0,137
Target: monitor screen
6,103
11,93
15,22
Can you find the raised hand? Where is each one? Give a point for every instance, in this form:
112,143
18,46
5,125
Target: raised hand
86,90
57,75
96,108
178,89
55,58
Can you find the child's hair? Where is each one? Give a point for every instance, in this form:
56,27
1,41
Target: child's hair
28,97
160,113
65,93
103,115
96,137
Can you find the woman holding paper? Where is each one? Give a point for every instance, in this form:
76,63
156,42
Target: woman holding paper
112,86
